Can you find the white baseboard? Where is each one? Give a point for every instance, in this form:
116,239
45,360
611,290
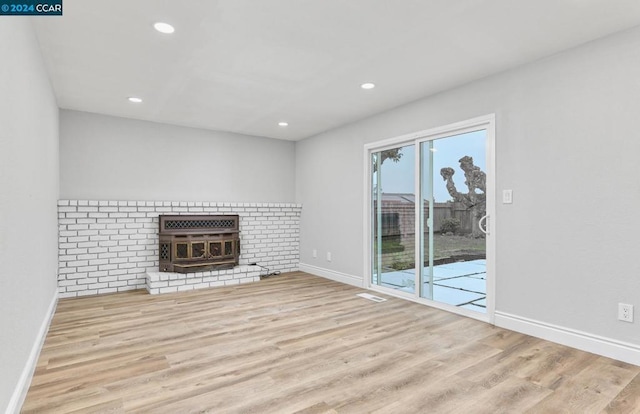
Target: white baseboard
622,351
20,392
332,274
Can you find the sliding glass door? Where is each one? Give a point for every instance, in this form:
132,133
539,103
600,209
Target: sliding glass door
451,208
392,215
429,215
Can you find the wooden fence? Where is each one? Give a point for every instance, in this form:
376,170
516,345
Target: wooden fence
398,226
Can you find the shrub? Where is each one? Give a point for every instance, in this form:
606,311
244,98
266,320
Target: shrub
450,225
402,265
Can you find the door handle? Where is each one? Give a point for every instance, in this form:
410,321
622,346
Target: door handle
484,219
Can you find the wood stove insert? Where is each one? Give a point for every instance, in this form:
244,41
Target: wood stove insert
197,243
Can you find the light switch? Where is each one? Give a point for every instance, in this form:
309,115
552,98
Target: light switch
507,196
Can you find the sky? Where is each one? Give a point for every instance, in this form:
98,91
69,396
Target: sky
399,177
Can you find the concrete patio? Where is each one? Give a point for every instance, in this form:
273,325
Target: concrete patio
460,284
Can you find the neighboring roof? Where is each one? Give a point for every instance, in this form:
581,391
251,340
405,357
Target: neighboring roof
399,198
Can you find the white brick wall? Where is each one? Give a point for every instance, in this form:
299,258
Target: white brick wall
109,246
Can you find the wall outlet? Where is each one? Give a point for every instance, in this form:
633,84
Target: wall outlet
625,312
315,253
507,196
328,256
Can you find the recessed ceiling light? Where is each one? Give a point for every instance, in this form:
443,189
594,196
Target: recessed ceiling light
283,124
135,99
368,85
164,27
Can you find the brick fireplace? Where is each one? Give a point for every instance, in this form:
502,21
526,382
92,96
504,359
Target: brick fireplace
108,246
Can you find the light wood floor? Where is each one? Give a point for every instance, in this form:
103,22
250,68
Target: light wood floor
296,343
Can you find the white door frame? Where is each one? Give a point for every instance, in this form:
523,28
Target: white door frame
486,123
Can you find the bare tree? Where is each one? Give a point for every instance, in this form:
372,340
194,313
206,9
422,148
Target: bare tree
475,180
392,154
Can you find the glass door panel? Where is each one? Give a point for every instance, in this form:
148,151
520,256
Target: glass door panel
452,203
393,218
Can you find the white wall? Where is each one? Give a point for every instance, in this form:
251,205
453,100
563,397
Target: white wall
28,208
110,158
567,144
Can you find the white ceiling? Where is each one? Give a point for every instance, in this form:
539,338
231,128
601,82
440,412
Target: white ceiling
245,65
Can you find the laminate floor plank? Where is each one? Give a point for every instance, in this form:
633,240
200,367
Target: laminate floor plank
297,343
628,400
589,391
